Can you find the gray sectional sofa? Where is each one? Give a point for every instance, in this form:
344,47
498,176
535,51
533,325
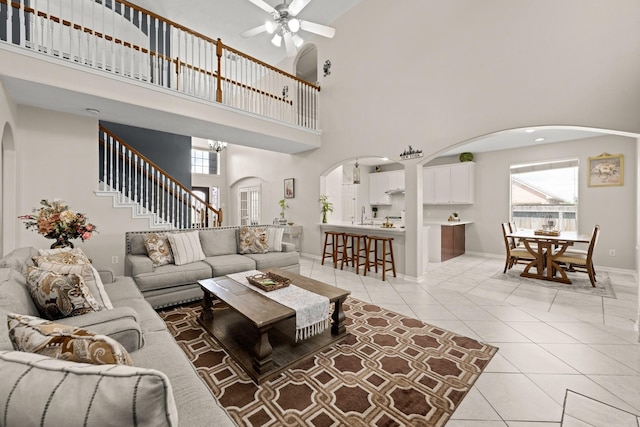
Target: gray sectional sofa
172,284
36,388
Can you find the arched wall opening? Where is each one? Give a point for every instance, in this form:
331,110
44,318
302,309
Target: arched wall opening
8,177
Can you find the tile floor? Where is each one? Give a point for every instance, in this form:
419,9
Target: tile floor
550,341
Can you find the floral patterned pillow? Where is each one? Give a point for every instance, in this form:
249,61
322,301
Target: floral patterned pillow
59,295
254,240
35,335
158,249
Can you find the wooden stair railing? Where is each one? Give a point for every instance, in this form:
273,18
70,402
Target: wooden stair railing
136,178
116,37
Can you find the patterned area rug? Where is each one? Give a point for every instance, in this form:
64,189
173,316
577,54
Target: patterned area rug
579,282
391,370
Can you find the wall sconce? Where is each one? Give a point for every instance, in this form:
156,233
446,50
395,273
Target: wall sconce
217,146
356,173
326,68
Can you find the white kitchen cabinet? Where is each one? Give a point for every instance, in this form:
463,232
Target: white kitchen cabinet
378,186
395,181
428,196
449,184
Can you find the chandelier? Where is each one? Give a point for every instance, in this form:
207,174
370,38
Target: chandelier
217,146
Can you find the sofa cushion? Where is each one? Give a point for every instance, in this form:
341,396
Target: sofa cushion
253,240
158,248
186,247
227,264
120,323
35,335
19,259
170,275
275,238
59,295
38,390
219,242
195,403
274,259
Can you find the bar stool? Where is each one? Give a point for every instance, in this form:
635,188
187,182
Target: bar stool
380,261
332,240
357,244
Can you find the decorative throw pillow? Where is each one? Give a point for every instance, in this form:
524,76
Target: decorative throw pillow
59,295
62,262
275,239
66,261
254,240
158,249
36,388
35,335
186,247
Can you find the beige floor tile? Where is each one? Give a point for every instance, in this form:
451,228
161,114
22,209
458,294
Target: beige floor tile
530,358
517,398
541,332
587,360
594,413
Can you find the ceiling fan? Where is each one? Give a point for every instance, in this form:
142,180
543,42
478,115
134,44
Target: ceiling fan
285,26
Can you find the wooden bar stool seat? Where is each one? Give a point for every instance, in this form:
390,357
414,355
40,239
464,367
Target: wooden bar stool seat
333,241
382,258
354,251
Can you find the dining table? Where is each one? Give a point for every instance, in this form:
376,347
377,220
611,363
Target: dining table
545,247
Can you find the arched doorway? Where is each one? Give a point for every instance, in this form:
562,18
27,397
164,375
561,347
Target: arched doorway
8,180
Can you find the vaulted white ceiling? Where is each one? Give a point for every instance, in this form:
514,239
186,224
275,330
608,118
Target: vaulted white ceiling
226,19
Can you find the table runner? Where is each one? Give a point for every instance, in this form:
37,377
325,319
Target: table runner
312,310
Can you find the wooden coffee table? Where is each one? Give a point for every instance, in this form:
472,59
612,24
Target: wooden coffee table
258,332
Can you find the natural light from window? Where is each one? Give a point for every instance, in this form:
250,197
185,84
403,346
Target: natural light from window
545,191
205,162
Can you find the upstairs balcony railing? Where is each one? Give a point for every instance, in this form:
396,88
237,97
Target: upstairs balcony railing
118,37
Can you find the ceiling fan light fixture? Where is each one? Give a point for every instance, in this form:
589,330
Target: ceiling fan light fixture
270,26
277,40
297,40
294,25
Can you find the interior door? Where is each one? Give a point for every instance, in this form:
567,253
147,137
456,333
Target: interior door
249,205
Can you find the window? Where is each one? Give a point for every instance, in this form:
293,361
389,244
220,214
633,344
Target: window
544,191
205,162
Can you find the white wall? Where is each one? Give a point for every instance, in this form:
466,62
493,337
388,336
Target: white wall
613,208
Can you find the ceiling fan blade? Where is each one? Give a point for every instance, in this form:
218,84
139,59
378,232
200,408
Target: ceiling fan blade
319,29
289,44
297,5
263,5
254,31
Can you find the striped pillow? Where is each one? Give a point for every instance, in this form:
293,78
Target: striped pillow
38,390
186,247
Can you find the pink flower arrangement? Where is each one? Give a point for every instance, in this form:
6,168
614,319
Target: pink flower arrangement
54,220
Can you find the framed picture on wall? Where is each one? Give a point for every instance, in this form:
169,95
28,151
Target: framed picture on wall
606,170
289,189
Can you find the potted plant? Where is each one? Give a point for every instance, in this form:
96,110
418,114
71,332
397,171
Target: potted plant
325,206
283,206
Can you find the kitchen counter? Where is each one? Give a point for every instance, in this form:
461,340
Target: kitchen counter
374,230
447,223
357,228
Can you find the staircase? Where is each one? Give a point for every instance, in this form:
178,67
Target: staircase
136,183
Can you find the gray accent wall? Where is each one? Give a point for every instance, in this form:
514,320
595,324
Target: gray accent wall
169,151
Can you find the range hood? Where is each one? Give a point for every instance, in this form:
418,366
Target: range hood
395,191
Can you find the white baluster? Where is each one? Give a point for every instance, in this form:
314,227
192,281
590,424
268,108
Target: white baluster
135,182
129,193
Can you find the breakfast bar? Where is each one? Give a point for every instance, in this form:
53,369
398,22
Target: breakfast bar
396,232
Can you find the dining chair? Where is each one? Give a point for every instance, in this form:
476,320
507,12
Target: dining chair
580,260
515,254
